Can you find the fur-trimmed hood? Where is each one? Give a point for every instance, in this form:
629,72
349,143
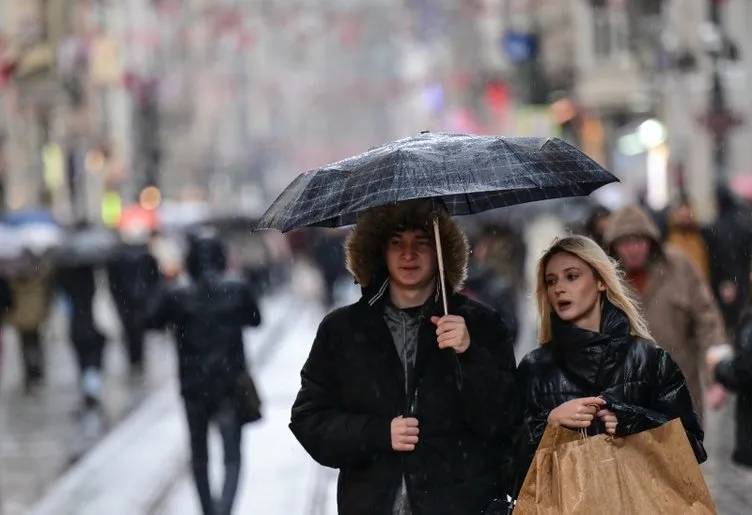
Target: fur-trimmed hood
364,247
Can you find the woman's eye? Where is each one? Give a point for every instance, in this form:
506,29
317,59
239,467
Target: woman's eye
572,277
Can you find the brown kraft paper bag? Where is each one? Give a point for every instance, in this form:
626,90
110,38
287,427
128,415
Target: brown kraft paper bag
650,472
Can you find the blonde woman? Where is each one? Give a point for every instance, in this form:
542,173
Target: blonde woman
597,367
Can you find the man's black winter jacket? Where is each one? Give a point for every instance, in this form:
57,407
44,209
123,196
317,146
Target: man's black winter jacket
353,385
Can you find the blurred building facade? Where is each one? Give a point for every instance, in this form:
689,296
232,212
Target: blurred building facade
639,93
226,101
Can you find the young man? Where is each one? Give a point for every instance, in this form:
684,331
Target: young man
413,407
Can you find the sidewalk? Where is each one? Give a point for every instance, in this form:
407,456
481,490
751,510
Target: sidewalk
134,466
278,477
42,434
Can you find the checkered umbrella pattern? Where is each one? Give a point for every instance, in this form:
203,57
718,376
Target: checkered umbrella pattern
467,173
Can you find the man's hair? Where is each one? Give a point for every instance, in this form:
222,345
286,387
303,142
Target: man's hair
365,245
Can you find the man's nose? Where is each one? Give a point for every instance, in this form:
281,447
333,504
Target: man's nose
409,250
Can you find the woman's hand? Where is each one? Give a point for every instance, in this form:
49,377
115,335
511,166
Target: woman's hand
609,420
576,413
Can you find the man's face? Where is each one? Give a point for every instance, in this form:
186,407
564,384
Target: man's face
633,252
411,259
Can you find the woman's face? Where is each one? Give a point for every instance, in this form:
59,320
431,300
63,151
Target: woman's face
573,290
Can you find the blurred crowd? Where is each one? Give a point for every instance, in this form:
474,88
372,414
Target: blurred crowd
43,264
205,278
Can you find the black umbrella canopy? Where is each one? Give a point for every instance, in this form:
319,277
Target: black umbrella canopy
467,173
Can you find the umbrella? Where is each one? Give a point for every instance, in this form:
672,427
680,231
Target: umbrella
35,230
87,246
29,216
464,173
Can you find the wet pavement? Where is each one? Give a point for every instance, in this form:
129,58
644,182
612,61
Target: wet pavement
44,433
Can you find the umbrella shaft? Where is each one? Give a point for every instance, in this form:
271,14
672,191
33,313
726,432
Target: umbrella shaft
440,258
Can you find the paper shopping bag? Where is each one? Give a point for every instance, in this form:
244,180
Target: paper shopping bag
652,472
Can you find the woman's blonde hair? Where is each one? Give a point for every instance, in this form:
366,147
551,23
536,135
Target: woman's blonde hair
604,268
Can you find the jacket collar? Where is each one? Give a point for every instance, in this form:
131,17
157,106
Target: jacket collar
378,294
590,357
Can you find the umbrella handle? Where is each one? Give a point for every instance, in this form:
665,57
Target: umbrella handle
440,258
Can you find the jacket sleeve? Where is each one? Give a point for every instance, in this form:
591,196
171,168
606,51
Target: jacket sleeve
736,373
671,400
159,310
331,435
487,373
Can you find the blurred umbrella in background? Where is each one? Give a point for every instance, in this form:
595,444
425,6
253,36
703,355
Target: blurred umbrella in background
11,249
87,246
35,230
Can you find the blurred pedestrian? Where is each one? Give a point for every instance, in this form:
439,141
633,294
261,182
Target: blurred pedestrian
597,368
31,291
328,254
730,245
685,235
680,310
491,284
415,422
133,276
6,303
735,373
78,281
597,223
207,314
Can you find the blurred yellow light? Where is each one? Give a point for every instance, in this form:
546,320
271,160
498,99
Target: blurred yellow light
112,208
54,165
150,198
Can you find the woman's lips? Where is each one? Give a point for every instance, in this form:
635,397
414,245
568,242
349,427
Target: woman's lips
563,305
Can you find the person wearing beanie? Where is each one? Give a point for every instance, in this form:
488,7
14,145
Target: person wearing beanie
677,303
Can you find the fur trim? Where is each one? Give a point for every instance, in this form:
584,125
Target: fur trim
364,248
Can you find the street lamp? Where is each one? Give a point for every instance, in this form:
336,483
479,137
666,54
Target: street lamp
719,119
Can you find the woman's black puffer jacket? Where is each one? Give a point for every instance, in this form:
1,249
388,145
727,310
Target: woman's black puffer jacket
639,381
